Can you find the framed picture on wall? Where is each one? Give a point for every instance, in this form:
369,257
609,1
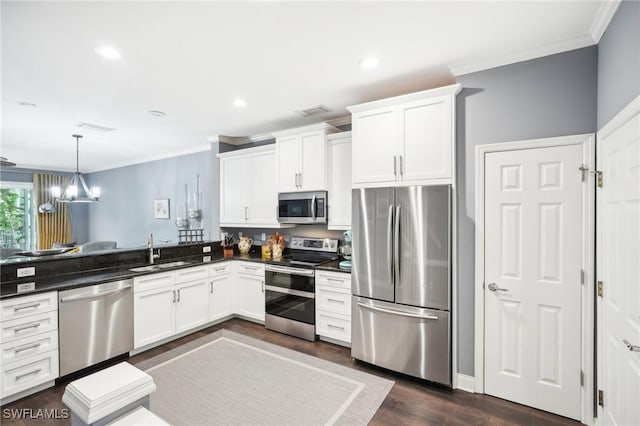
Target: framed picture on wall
161,208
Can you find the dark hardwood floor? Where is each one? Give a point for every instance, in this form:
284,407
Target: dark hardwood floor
410,402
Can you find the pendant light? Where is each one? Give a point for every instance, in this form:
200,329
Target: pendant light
77,191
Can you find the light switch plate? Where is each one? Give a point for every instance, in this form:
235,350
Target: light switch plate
26,272
206,249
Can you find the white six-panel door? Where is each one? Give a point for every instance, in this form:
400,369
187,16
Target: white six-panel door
619,270
533,228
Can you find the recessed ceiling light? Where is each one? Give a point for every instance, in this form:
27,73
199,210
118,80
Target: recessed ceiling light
25,103
157,113
370,62
240,103
108,52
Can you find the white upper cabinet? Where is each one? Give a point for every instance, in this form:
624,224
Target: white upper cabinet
234,189
248,194
405,140
302,163
339,180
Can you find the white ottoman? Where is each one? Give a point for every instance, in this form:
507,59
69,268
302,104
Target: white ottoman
139,417
108,394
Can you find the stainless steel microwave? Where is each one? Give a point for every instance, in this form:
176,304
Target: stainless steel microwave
302,207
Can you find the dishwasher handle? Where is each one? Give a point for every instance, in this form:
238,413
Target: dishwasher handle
89,295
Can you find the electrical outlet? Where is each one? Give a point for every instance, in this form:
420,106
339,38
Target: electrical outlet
206,249
264,236
206,259
26,272
239,234
26,287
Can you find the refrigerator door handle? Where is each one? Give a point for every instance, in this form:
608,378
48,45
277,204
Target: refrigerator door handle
396,253
400,313
390,243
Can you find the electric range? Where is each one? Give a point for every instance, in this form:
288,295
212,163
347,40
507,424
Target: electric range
290,290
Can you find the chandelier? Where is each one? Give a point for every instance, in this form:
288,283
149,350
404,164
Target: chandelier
77,191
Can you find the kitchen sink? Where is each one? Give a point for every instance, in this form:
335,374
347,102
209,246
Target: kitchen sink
149,268
172,264
159,266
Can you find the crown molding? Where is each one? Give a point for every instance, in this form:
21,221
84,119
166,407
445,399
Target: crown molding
193,150
565,45
452,89
600,23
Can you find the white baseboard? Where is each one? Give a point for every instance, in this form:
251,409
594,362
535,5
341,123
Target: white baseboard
465,383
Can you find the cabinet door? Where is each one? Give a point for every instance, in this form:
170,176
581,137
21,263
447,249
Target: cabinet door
264,196
313,171
220,297
234,190
375,142
251,301
339,181
426,140
192,304
288,163
153,316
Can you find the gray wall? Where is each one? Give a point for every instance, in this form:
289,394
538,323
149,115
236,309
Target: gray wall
619,62
544,97
125,212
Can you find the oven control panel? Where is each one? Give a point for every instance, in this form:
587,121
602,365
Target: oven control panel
314,244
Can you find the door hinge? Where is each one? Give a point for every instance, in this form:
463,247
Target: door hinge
601,397
585,171
600,288
582,274
581,378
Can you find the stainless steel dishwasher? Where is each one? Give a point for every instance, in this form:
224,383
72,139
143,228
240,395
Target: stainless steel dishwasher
95,324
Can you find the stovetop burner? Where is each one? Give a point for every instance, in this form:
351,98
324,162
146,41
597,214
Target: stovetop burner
312,259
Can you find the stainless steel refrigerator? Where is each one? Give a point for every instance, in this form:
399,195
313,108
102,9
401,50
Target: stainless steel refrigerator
401,280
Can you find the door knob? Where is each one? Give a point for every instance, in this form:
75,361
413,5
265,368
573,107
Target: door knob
494,287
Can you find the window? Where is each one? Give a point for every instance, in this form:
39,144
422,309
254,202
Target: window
17,217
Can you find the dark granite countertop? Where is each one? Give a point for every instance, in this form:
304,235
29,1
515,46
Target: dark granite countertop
333,267
72,280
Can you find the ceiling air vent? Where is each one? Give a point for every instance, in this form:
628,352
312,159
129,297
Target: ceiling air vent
320,109
94,127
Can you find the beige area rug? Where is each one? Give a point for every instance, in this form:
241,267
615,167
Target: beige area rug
230,379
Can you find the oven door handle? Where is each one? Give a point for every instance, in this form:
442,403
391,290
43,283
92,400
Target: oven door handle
291,271
305,294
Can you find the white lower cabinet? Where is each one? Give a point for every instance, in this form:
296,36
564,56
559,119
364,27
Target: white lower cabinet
169,303
220,291
29,344
192,304
333,306
249,297
153,315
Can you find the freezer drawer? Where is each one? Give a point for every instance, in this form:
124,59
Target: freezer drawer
413,341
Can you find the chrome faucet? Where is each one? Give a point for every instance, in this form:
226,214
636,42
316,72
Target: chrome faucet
152,257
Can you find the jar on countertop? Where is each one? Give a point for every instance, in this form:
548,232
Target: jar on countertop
244,245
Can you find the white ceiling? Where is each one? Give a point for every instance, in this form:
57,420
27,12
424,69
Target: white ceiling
191,60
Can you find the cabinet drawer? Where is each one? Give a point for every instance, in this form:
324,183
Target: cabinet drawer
29,372
28,305
149,282
219,269
330,300
190,274
250,268
333,326
28,326
334,279
28,347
